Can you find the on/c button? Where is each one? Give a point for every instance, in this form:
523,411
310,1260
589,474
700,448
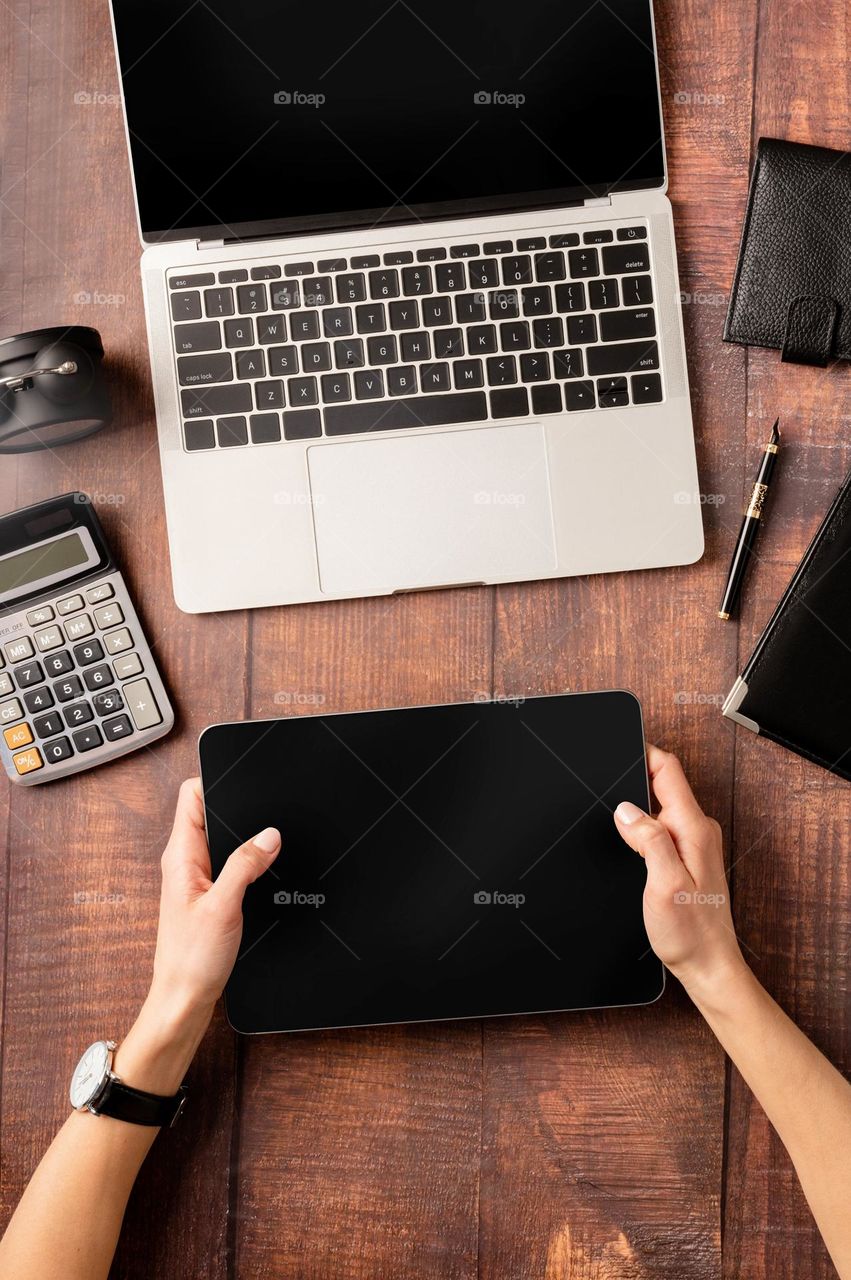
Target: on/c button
28,761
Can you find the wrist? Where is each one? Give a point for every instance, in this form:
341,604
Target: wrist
157,1050
717,988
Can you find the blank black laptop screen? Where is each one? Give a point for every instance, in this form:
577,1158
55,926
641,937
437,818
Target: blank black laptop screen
267,114
438,862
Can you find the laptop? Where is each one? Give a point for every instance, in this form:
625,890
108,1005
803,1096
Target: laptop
469,866
411,292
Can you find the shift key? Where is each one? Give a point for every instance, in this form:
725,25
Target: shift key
206,402
142,704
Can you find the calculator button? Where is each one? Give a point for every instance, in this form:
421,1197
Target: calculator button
19,650
56,664
11,710
141,702
38,699
109,615
38,617
107,703
99,677
18,736
87,739
118,641
129,665
117,727
50,638
71,604
79,627
65,690
29,674
28,761
79,713
48,726
86,653
7,684
94,595
59,749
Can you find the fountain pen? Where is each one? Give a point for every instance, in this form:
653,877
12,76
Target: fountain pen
750,525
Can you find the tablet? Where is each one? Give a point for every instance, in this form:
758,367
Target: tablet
438,862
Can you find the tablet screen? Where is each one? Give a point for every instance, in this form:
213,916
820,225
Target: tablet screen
438,862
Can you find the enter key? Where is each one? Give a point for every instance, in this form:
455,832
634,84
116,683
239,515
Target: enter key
621,326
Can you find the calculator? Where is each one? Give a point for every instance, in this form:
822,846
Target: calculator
78,684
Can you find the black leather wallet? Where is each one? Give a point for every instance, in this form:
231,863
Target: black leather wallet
796,688
792,288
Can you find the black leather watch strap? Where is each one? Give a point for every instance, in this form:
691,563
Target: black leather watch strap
121,1102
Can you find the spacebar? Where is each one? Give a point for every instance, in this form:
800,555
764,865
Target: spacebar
397,415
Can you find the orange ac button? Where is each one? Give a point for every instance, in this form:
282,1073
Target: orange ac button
28,761
18,736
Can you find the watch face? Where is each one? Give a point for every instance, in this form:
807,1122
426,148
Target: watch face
90,1074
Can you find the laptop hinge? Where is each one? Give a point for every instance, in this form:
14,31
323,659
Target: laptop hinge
598,202
209,244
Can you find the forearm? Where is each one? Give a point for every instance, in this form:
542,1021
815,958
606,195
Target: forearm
806,1099
68,1220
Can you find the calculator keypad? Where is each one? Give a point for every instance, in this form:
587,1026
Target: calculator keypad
79,680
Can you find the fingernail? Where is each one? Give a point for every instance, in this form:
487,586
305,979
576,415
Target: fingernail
268,840
627,812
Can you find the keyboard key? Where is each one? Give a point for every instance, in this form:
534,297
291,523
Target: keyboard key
612,393
498,246
431,255
299,269
546,399
548,332
583,262
468,373
470,308
20,735
79,713
192,282
484,274
270,272
348,354
550,266
451,277
382,350
198,370
199,435
564,241
269,395
303,392
336,387
56,664
286,296
6,684
28,675
416,280
404,315
10,710
509,404
77,628
206,336
369,385
624,357
581,329
515,337
402,381
501,370
270,329
84,654
48,726
529,246
231,432
568,364
364,263
448,343
302,424
129,664
337,322
464,250
601,236
103,591
620,259
108,702
646,388
517,270
398,415
578,396
265,428
437,311
69,605
535,367
38,699
251,298
537,300
371,318
141,704
637,291
619,326
398,259
416,346
87,739
351,288
99,677
481,340
304,326
28,761
504,305
434,377
186,306
218,302
632,233
383,284
250,364
283,361
602,294
570,297
65,690
233,277
49,638
118,727
19,650
316,357
117,641
58,750
211,401
316,291
239,333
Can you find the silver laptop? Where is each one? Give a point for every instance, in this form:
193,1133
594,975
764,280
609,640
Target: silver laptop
411,292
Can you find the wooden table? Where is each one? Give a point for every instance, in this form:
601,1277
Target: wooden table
615,1144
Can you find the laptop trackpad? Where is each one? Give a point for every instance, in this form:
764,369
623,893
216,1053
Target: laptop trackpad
429,511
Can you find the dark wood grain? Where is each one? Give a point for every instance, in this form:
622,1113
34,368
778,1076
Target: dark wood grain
579,1146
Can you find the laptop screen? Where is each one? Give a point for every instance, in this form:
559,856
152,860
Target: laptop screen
271,116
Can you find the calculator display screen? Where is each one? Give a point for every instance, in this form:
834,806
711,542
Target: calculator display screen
48,562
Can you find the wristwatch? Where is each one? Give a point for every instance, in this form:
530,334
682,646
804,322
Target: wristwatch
96,1088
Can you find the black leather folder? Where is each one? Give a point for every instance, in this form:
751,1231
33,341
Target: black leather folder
796,688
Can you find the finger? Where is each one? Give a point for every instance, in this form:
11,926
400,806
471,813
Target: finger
651,839
187,844
682,813
245,865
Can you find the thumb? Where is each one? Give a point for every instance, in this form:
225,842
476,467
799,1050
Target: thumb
245,865
651,838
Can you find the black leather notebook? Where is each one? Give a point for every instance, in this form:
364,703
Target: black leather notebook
796,688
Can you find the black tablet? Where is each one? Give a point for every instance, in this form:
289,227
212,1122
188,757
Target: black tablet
438,862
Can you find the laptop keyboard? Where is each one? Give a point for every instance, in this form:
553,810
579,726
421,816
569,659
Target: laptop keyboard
458,333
